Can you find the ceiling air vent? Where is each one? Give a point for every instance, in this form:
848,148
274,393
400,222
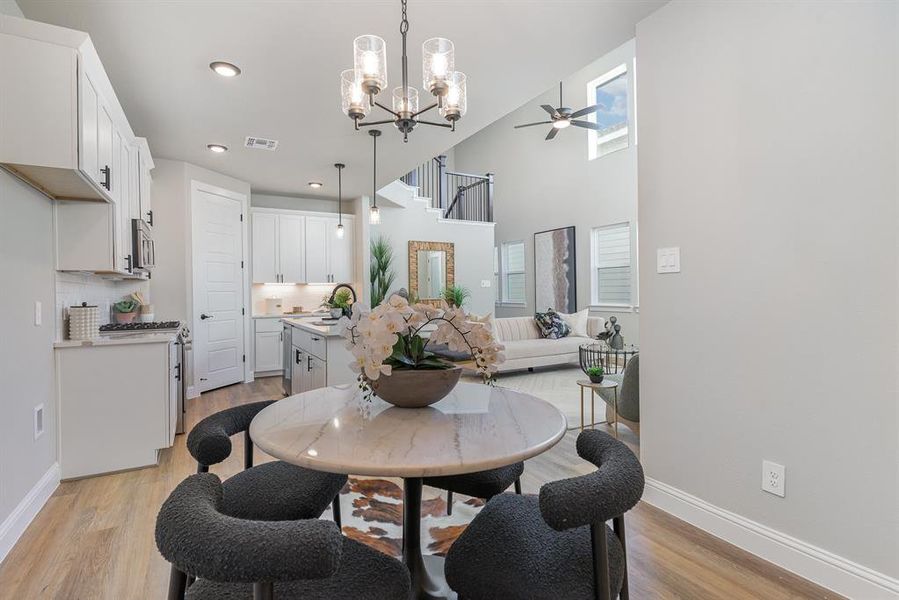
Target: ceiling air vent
261,143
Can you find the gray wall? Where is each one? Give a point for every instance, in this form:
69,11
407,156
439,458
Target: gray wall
543,185
27,369
768,154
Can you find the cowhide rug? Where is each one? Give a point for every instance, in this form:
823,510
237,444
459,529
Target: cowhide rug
372,513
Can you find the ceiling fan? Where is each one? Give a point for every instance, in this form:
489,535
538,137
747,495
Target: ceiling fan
563,116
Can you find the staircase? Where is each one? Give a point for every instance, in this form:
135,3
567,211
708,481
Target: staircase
458,196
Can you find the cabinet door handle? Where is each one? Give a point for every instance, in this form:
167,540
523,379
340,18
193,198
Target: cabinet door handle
308,364
128,266
150,217
106,176
315,339
297,358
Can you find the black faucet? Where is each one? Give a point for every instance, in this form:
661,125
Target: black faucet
334,293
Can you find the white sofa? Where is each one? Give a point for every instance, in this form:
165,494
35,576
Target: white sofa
527,348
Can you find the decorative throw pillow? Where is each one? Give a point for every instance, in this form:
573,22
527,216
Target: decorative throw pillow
551,324
577,322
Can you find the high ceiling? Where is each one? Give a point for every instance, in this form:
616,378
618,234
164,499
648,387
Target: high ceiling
291,53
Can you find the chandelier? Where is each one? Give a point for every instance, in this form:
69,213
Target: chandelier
360,85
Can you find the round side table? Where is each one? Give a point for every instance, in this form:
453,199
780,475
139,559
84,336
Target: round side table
605,384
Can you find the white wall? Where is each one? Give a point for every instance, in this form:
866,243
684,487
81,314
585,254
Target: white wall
768,154
11,8
472,245
543,185
298,203
26,352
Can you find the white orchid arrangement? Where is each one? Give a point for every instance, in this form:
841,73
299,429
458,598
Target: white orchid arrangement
389,337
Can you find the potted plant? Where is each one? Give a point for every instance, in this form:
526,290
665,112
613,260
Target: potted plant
125,310
391,352
340,305
380,272
456,295
595,374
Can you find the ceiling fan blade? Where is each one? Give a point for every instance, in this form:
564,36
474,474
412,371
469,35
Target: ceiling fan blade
552,133
552,111
585,111
532,124
586,125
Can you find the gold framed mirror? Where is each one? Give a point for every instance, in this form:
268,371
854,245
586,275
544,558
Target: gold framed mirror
431,269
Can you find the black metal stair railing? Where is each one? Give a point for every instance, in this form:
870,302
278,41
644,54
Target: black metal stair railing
461,196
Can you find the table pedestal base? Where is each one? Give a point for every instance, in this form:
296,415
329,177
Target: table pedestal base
428,581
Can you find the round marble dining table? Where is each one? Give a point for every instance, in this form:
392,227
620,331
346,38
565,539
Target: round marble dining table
475,428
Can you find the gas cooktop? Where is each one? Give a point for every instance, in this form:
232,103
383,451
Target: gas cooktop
154,326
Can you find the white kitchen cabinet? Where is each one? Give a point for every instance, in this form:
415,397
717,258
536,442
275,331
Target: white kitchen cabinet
317,247
268,336
329,259
119,420
318,358
341,258
299,247
265,248
144,181
59,115
292,248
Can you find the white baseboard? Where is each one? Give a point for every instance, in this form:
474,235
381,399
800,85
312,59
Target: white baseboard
810,562
15,524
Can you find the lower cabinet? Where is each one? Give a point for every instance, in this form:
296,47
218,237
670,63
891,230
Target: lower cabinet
268,349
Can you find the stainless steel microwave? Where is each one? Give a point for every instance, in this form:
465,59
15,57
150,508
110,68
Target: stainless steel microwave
143,250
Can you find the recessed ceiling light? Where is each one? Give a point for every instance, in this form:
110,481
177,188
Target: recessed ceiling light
315,184
225,69
217,148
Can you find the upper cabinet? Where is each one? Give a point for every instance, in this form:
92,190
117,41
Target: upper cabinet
294,247
329,259
61,126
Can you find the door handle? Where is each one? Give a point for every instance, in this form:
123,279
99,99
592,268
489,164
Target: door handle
205,316
105,172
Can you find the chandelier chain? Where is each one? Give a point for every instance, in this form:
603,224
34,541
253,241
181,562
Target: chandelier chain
404,24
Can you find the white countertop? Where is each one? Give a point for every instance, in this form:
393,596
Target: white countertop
306,324
282,315
166,337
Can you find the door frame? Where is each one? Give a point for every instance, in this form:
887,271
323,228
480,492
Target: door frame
200,186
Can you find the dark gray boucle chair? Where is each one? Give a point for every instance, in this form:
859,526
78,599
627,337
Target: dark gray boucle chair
557,545
483,484
272,491
238,559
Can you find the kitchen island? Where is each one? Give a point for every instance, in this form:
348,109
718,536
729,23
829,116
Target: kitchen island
315,355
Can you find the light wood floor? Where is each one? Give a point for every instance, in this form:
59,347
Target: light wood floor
94,538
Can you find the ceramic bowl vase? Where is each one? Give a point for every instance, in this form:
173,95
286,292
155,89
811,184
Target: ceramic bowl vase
595,378
416,388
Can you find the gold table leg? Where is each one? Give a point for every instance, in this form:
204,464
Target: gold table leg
582,407
592,408
616,411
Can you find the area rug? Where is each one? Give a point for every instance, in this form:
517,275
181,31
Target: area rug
372,513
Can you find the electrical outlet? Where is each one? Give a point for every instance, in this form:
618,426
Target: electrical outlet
773,478
485,283
38,421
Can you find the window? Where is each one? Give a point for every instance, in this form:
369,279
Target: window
511,273
610,92
610,265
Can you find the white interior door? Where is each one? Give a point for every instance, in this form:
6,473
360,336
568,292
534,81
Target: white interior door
218,298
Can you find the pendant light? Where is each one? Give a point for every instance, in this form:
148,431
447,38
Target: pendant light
340,231
374,215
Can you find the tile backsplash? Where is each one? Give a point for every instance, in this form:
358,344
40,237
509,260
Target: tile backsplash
74,288
309,296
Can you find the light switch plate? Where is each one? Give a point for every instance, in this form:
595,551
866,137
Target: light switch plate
668,260
485,283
